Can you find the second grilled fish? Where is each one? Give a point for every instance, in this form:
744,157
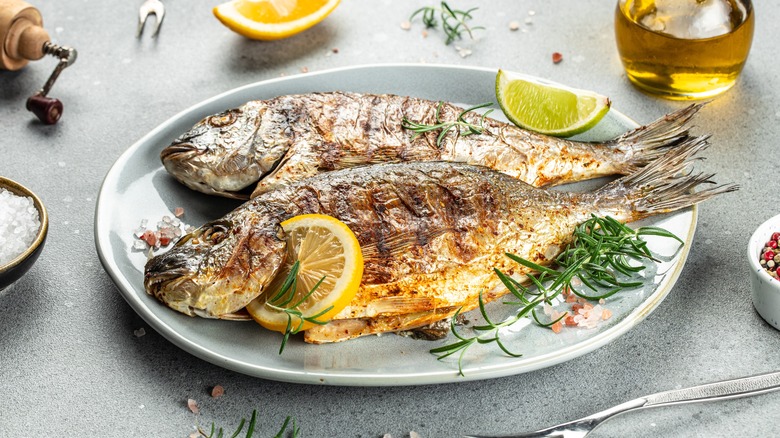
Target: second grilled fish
431,234
265,144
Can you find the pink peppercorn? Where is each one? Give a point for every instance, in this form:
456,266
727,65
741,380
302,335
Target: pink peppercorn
772,244
775,235
769,255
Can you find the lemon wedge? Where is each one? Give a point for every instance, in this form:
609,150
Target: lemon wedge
548,108
327,252
273,19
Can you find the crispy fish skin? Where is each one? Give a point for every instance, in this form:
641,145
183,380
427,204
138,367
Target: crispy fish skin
278,141
431,234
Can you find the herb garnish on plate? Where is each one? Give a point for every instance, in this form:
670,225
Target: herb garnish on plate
601,247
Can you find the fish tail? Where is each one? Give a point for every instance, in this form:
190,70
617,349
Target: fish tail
649,142
665,185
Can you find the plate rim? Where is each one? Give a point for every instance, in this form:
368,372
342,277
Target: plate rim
503,369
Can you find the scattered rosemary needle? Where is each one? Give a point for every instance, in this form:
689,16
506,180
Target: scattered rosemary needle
460,124
453,21
250,431
601,249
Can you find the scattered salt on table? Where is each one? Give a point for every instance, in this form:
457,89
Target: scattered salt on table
193,406
19,224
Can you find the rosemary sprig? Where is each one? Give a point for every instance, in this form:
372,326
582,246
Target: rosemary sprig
250,431
281,303
464,128
601,249
453,21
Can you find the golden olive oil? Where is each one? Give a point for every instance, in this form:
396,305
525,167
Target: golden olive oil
684,49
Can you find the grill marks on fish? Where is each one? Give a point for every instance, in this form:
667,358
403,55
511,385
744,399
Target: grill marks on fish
279,141
432,233
436,241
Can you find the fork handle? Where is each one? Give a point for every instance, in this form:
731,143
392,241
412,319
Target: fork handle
724,390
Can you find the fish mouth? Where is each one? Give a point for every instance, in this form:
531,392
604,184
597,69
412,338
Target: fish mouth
176,159
170,269
179,151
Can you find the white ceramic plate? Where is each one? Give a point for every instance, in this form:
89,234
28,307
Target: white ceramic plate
137,187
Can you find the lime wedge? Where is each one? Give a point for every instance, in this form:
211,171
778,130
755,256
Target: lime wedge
548,108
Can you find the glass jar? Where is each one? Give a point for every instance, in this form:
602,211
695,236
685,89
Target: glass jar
684,49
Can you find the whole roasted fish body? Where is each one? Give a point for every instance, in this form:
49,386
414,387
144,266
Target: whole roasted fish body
270,143
431,234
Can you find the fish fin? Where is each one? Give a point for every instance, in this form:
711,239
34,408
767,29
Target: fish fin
666,184
649,142
399,305
339,330
298,163
238,315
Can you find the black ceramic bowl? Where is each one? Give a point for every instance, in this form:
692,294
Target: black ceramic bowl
13,270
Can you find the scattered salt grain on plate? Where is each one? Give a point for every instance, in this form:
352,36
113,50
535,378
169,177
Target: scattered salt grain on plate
168,230
19,224
217,391
589,316
140,332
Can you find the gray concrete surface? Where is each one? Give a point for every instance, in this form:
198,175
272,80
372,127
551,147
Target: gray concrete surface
70,364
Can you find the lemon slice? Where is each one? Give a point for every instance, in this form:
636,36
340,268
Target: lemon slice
326,250
548,108
272,19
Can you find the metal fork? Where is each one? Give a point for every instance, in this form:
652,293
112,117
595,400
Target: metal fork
727,389
147,8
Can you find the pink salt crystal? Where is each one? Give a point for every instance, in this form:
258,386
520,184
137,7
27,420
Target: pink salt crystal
193,405
178,212
217,391
149,237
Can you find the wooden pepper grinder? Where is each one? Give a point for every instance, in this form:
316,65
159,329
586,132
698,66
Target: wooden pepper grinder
24,39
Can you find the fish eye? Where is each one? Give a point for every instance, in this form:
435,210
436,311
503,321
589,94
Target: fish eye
223,119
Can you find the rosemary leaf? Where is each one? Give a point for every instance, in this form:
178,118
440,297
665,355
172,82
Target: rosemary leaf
454,22
240,426
601,249
460,125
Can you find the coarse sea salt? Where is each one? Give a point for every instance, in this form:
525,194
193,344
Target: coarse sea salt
19,224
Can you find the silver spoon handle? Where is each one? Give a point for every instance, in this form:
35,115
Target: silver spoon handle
726,389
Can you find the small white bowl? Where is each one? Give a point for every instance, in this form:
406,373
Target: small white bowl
766,289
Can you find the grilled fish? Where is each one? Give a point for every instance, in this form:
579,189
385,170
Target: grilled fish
431,234
271,143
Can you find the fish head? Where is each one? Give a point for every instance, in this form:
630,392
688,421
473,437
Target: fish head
224,153
218,268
